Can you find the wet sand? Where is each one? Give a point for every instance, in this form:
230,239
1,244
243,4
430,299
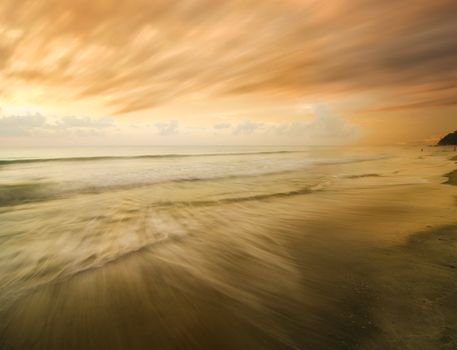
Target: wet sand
452,176
352,268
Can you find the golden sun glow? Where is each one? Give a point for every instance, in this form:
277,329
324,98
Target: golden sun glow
138,60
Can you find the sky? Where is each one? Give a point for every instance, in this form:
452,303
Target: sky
138,72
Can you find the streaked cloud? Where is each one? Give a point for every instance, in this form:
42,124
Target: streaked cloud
132,55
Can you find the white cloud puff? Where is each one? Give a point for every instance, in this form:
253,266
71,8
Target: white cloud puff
325,128
35,124
168,128
20,125
84,122
247,127
221,126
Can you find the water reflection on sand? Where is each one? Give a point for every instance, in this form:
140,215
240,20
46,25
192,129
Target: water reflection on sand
356,261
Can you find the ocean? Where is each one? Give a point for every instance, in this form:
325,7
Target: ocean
186,243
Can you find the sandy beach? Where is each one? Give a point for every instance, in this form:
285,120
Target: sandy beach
362,257
452,176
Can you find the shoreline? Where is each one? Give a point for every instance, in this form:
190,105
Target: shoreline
452,176
331,270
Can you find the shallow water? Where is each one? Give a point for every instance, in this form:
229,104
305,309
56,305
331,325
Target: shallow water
226,247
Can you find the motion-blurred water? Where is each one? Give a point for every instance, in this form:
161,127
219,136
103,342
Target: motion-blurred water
216,213
45,173
71,209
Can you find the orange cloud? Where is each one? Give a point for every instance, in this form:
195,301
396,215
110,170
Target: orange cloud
136,54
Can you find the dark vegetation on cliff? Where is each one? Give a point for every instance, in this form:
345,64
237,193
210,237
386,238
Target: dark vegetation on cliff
449,139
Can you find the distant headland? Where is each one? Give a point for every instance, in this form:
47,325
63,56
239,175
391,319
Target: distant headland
449,139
